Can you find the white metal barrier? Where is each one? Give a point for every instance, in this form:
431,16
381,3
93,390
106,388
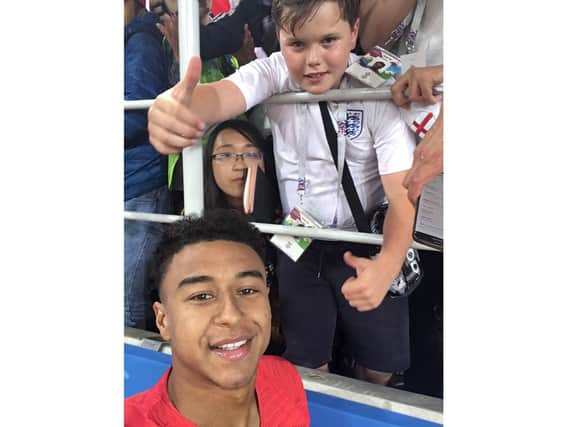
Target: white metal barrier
192,157
341,95
286,230
188,12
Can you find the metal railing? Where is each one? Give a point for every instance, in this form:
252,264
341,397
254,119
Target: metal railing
287,230
340,95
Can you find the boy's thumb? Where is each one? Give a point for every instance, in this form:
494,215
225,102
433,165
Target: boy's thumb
351,260
190,79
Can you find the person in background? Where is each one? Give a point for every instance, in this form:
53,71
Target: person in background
222,37
413,30
145,190
213,309
232,147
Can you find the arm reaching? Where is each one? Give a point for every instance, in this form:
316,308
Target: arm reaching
246,53
374,278
178,116
428,159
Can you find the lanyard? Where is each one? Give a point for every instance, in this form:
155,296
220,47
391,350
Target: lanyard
410,42
302,153
341,121
340,117
397,33
413,19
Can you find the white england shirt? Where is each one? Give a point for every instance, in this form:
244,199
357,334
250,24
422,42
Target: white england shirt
378,143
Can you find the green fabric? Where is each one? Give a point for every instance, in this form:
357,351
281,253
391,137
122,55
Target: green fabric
172,160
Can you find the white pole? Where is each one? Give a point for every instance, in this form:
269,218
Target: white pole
287,230
192,157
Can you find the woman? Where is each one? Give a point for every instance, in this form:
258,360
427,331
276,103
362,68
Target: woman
233,147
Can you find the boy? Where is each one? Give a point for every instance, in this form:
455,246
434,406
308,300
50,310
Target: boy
211,282
316,38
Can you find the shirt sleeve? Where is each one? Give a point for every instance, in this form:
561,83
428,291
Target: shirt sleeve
260,79
394,143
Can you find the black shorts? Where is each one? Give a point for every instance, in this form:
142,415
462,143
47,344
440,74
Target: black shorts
312,305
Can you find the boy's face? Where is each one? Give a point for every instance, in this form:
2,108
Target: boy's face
216,314
318,54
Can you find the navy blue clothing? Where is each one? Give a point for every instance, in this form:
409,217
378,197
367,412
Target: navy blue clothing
145,77
225,36
312,307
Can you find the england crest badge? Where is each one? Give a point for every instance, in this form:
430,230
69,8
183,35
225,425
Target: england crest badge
354,123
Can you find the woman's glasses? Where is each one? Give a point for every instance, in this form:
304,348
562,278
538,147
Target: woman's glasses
226,158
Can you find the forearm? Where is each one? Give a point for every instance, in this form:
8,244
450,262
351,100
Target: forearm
397,233
218,101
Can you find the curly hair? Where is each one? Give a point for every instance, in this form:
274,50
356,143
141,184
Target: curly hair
290,14
214,225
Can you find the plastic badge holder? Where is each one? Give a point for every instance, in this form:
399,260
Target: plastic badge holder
376,67
292,246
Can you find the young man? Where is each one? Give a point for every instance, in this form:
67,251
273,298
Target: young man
316,38
214,310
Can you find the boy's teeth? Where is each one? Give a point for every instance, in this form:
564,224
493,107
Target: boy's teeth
232,346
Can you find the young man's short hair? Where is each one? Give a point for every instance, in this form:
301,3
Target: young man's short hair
290,14
214,225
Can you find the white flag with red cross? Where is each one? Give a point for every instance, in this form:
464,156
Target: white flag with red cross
423,123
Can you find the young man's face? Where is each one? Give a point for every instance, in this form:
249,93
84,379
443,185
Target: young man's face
216,314
318,54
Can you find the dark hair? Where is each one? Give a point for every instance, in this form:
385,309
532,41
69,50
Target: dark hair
214,225
214,197
290,14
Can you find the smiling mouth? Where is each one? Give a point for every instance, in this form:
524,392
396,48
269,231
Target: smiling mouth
232,346
233,350
315,76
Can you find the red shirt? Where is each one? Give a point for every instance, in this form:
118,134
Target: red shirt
220,6
279,390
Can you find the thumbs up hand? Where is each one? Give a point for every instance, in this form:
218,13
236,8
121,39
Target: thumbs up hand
172,124
367,290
